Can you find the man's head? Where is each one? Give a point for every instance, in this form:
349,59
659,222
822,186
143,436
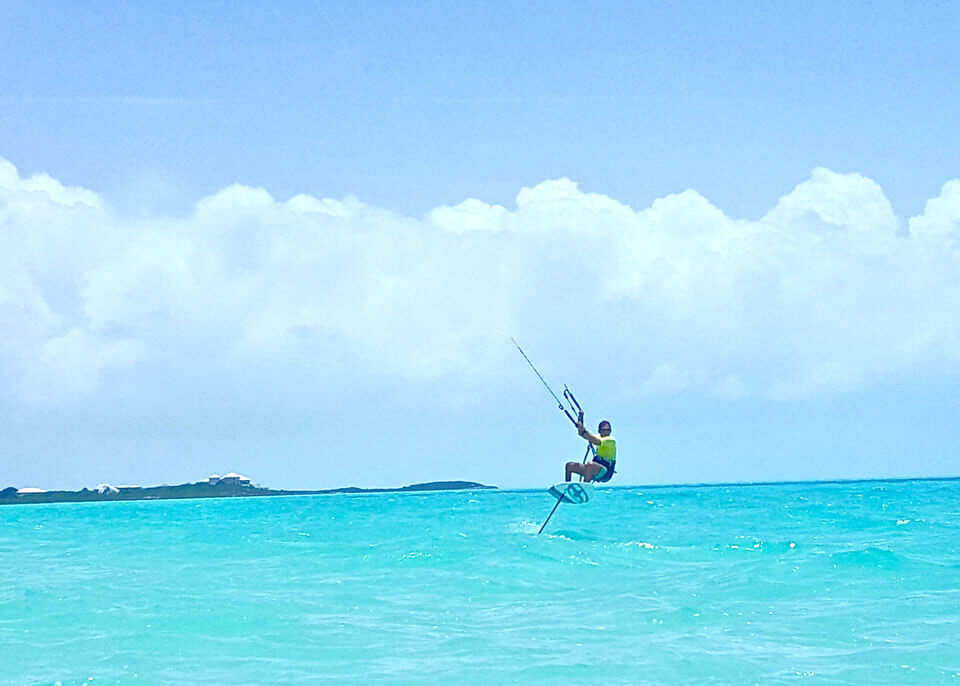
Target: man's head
604,428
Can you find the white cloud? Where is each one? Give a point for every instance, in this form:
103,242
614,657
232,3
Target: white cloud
470,215
826,375
822,294
666,378
941,216
71,366
832,201
17,190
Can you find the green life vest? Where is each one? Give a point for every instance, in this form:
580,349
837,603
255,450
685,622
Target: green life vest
607,448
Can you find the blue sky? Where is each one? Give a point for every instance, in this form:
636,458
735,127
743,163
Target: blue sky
294,240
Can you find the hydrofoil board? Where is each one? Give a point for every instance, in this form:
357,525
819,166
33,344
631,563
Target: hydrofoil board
573,492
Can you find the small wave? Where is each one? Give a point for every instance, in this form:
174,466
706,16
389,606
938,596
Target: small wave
871,557
639,544
523,527
756,546
533,528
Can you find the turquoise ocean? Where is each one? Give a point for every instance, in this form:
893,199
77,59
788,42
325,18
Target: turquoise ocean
847,583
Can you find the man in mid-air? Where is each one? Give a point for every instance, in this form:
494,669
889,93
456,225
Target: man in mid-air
601,469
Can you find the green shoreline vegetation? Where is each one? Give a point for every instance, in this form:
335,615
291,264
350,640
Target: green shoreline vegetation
204,489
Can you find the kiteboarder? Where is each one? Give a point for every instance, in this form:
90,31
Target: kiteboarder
601,468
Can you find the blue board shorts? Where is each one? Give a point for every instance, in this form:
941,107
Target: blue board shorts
606,470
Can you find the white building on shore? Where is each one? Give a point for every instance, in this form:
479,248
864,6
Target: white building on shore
231,478
29,490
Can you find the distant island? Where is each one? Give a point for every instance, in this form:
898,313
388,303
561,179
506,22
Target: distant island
221,487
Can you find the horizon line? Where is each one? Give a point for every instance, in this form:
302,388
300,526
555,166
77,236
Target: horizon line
720,484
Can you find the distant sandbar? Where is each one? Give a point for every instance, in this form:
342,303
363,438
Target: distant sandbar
204,489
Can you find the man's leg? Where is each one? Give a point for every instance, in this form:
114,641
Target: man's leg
590,470
587,471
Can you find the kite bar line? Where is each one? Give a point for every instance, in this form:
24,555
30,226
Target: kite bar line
559,402
574,404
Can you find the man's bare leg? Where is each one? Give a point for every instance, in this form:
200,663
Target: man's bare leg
587,471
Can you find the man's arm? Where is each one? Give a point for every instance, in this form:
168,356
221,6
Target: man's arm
582,430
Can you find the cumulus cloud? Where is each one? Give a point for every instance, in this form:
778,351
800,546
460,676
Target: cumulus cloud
844,202
941,216
71,366
40,188
470,215
827,292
